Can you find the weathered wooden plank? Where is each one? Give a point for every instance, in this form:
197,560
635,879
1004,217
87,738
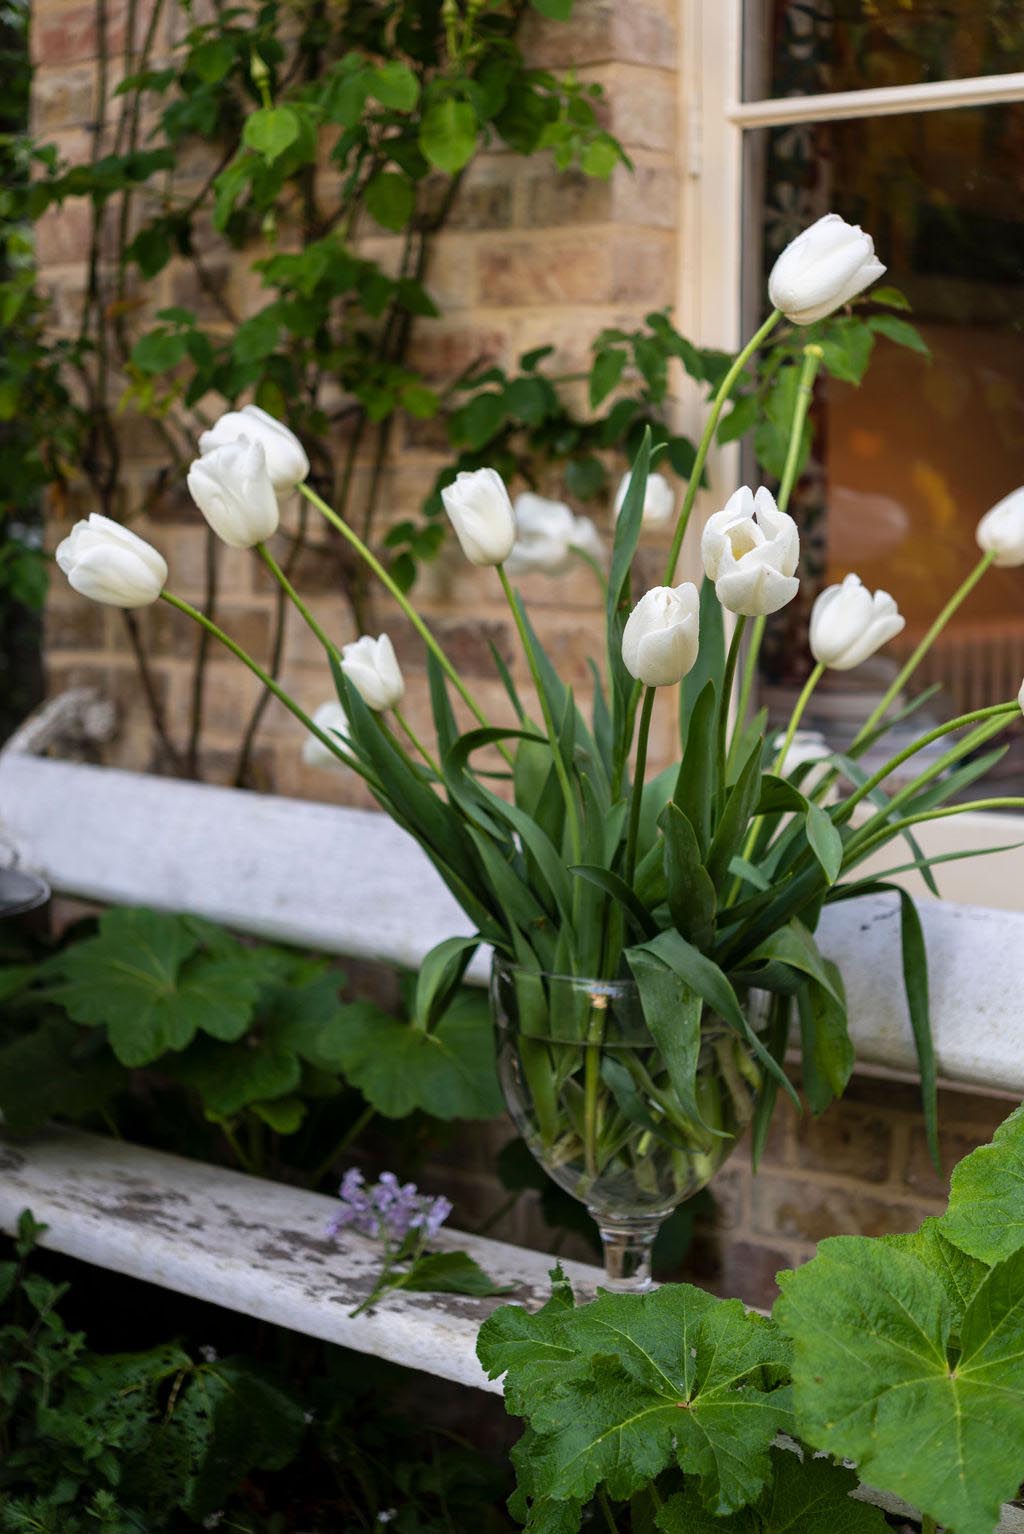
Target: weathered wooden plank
349,881
252,1246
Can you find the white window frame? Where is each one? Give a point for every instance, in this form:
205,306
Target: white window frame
713,120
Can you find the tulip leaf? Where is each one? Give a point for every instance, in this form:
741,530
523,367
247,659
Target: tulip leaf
626,1386
691,893
673,1013
695,782
448,1072
880,1377
710,662
439,977
986,1201
824,840
732,825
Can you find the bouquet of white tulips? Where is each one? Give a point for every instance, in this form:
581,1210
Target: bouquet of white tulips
702,884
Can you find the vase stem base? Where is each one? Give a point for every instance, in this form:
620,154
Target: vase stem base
627,1254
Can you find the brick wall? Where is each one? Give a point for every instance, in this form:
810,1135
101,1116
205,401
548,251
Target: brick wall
530,258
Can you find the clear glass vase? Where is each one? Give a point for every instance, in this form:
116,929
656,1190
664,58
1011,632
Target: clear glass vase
590,1092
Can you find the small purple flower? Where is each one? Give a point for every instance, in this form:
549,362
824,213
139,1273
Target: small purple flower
387,1209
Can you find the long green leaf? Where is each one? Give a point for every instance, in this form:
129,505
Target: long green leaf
691,892
710,664
672,1011
614,885
824,840
697,778
732,825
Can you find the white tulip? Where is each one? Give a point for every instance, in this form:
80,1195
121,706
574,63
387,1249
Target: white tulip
232,489
848,624
826,266
1020,697
106,562
331,718
370,665
287,463
481,513
750,550
547,534
1001,530
661,637
659,499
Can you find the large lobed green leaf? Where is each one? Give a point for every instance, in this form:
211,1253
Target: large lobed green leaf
886,1372
618,1390
985,1217
805,1496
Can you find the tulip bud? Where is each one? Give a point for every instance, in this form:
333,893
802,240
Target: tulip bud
331,718
826,266
106,562
371,667
750,550
1001,530
848,624
661,637
547,534
232,489
1020,697
481,513
287,463
659,499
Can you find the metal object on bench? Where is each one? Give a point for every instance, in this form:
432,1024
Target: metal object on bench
21,892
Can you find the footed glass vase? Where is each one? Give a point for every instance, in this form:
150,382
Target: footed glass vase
592,1095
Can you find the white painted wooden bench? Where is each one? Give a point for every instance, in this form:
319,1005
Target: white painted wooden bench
349,882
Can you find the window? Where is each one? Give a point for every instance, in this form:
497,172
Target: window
906,116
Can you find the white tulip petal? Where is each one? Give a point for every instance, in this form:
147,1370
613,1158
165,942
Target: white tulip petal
824,267
109,563
480,511
1001,530
848,624
286,460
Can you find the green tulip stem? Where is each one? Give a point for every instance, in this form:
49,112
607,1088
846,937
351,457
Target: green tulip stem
725,388
571,813
268,681
293,596
959,596
804,394
370,559
796,716
978,714
417,743
857,854
723,702
637,796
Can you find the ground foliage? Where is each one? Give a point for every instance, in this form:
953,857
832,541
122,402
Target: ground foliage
900,1354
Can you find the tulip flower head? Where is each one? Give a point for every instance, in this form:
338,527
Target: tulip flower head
1001,530
1020,697
481,513
750,550
659,499
661,636
331,718
286,459
104,561
233,490
547,534
826,266
849,623
370,665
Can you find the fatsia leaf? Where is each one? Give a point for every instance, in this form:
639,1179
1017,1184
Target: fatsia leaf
449,1072
805,1496
985,1217
875,1380
619,1389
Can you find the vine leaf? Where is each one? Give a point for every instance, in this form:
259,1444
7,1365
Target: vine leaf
618,1390
985,1217
875,1379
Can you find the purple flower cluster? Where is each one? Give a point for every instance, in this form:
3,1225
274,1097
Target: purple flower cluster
387,1209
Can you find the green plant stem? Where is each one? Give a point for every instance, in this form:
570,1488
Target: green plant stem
637,796
268,682
928,1525
351,1134
293,596
959,596
723,702
993,712
417,743
804,395
606,1510
796,716
403,601
725,388
571,812
891,828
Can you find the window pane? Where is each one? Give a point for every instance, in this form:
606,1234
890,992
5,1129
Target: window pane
805,47
908,462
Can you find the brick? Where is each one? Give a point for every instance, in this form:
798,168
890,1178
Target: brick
486,198
553,199
63,98
639,107
919,1173
69,35
451,275
466,643
809,1211
601,30
82,626
440,349
846,1141
643,269
219,764
748,1272
62,234
205,290
528,271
